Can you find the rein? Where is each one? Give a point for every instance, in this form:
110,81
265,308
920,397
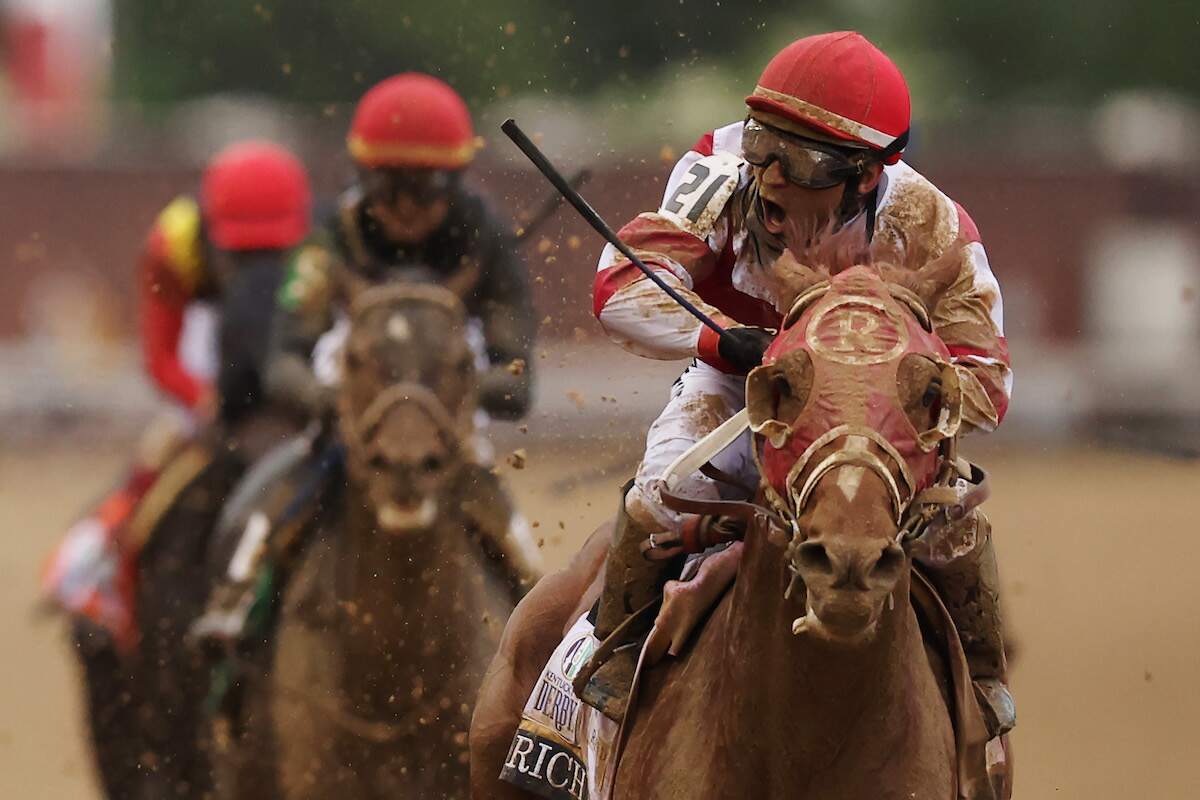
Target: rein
392,293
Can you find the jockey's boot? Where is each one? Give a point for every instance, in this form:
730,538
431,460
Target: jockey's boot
258,529
631,584
969,585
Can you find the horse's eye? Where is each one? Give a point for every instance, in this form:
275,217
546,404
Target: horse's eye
932,392
377,462
780,391
431,463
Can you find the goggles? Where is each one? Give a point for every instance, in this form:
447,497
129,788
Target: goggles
804,162
423,186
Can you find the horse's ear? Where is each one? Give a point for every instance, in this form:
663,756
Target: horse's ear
795,282
914,304
803,301
776,394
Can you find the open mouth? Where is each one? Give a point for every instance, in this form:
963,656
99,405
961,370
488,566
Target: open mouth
396,518
773,215
812,625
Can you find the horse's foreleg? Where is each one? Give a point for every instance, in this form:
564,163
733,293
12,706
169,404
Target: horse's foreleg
533,631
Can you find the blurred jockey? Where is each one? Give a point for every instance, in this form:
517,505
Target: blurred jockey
409,216
819,149
411,140
254,206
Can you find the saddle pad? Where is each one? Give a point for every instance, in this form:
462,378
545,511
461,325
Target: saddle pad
563,748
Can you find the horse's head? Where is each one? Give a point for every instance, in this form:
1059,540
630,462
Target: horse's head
848,409
406,400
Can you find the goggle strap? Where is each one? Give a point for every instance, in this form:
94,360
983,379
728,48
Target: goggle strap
898,144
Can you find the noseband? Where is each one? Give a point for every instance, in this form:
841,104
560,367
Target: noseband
364,428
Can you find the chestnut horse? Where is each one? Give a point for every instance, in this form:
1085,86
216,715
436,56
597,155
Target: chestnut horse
811,679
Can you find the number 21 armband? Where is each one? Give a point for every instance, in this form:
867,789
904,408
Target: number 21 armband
694,203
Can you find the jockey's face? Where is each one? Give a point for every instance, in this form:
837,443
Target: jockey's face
408,204
793,211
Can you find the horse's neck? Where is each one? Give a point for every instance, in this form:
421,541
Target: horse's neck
805,702
406,601
412,575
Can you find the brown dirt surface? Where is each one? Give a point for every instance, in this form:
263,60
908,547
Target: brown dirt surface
1096,553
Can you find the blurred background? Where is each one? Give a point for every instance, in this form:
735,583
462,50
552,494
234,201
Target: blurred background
1071,135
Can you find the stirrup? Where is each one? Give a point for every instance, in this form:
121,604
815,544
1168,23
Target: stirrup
996,703
628,635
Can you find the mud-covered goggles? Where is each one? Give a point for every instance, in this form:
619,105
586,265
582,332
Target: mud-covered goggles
804,162
423,186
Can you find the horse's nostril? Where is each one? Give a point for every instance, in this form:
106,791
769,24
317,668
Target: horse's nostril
812,557
890,563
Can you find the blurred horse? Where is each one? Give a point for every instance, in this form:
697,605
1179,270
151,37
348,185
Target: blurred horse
393,609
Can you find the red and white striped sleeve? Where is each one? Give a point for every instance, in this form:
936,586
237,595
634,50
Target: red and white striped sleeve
970,320
680,242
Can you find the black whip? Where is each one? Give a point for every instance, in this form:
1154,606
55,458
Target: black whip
531,151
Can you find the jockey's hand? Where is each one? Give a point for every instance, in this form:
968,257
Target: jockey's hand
743,347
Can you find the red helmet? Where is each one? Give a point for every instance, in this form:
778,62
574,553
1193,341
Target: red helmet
842,85
412,120
255,196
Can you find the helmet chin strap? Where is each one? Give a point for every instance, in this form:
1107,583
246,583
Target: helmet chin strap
852,202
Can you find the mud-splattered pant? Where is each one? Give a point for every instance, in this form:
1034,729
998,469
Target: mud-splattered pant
701,399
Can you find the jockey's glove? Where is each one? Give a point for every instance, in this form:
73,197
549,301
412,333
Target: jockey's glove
743,347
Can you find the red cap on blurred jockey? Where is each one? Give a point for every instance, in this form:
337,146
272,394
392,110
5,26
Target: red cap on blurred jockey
255,196
841,85
412,121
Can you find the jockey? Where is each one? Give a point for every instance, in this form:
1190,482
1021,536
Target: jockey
411,140
254,204
409,215
820,148
254,199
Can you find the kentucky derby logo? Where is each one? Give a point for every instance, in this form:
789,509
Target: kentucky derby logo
576,656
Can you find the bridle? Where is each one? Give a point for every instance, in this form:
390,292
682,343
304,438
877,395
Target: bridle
363,428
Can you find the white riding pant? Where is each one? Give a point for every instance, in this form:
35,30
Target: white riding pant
701,399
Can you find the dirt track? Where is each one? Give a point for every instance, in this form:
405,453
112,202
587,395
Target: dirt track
1098,552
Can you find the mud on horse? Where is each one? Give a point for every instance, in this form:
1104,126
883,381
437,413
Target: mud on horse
811,677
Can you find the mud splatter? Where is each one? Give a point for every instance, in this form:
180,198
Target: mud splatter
706,411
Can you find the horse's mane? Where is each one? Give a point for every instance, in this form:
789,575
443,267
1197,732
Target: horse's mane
832,250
